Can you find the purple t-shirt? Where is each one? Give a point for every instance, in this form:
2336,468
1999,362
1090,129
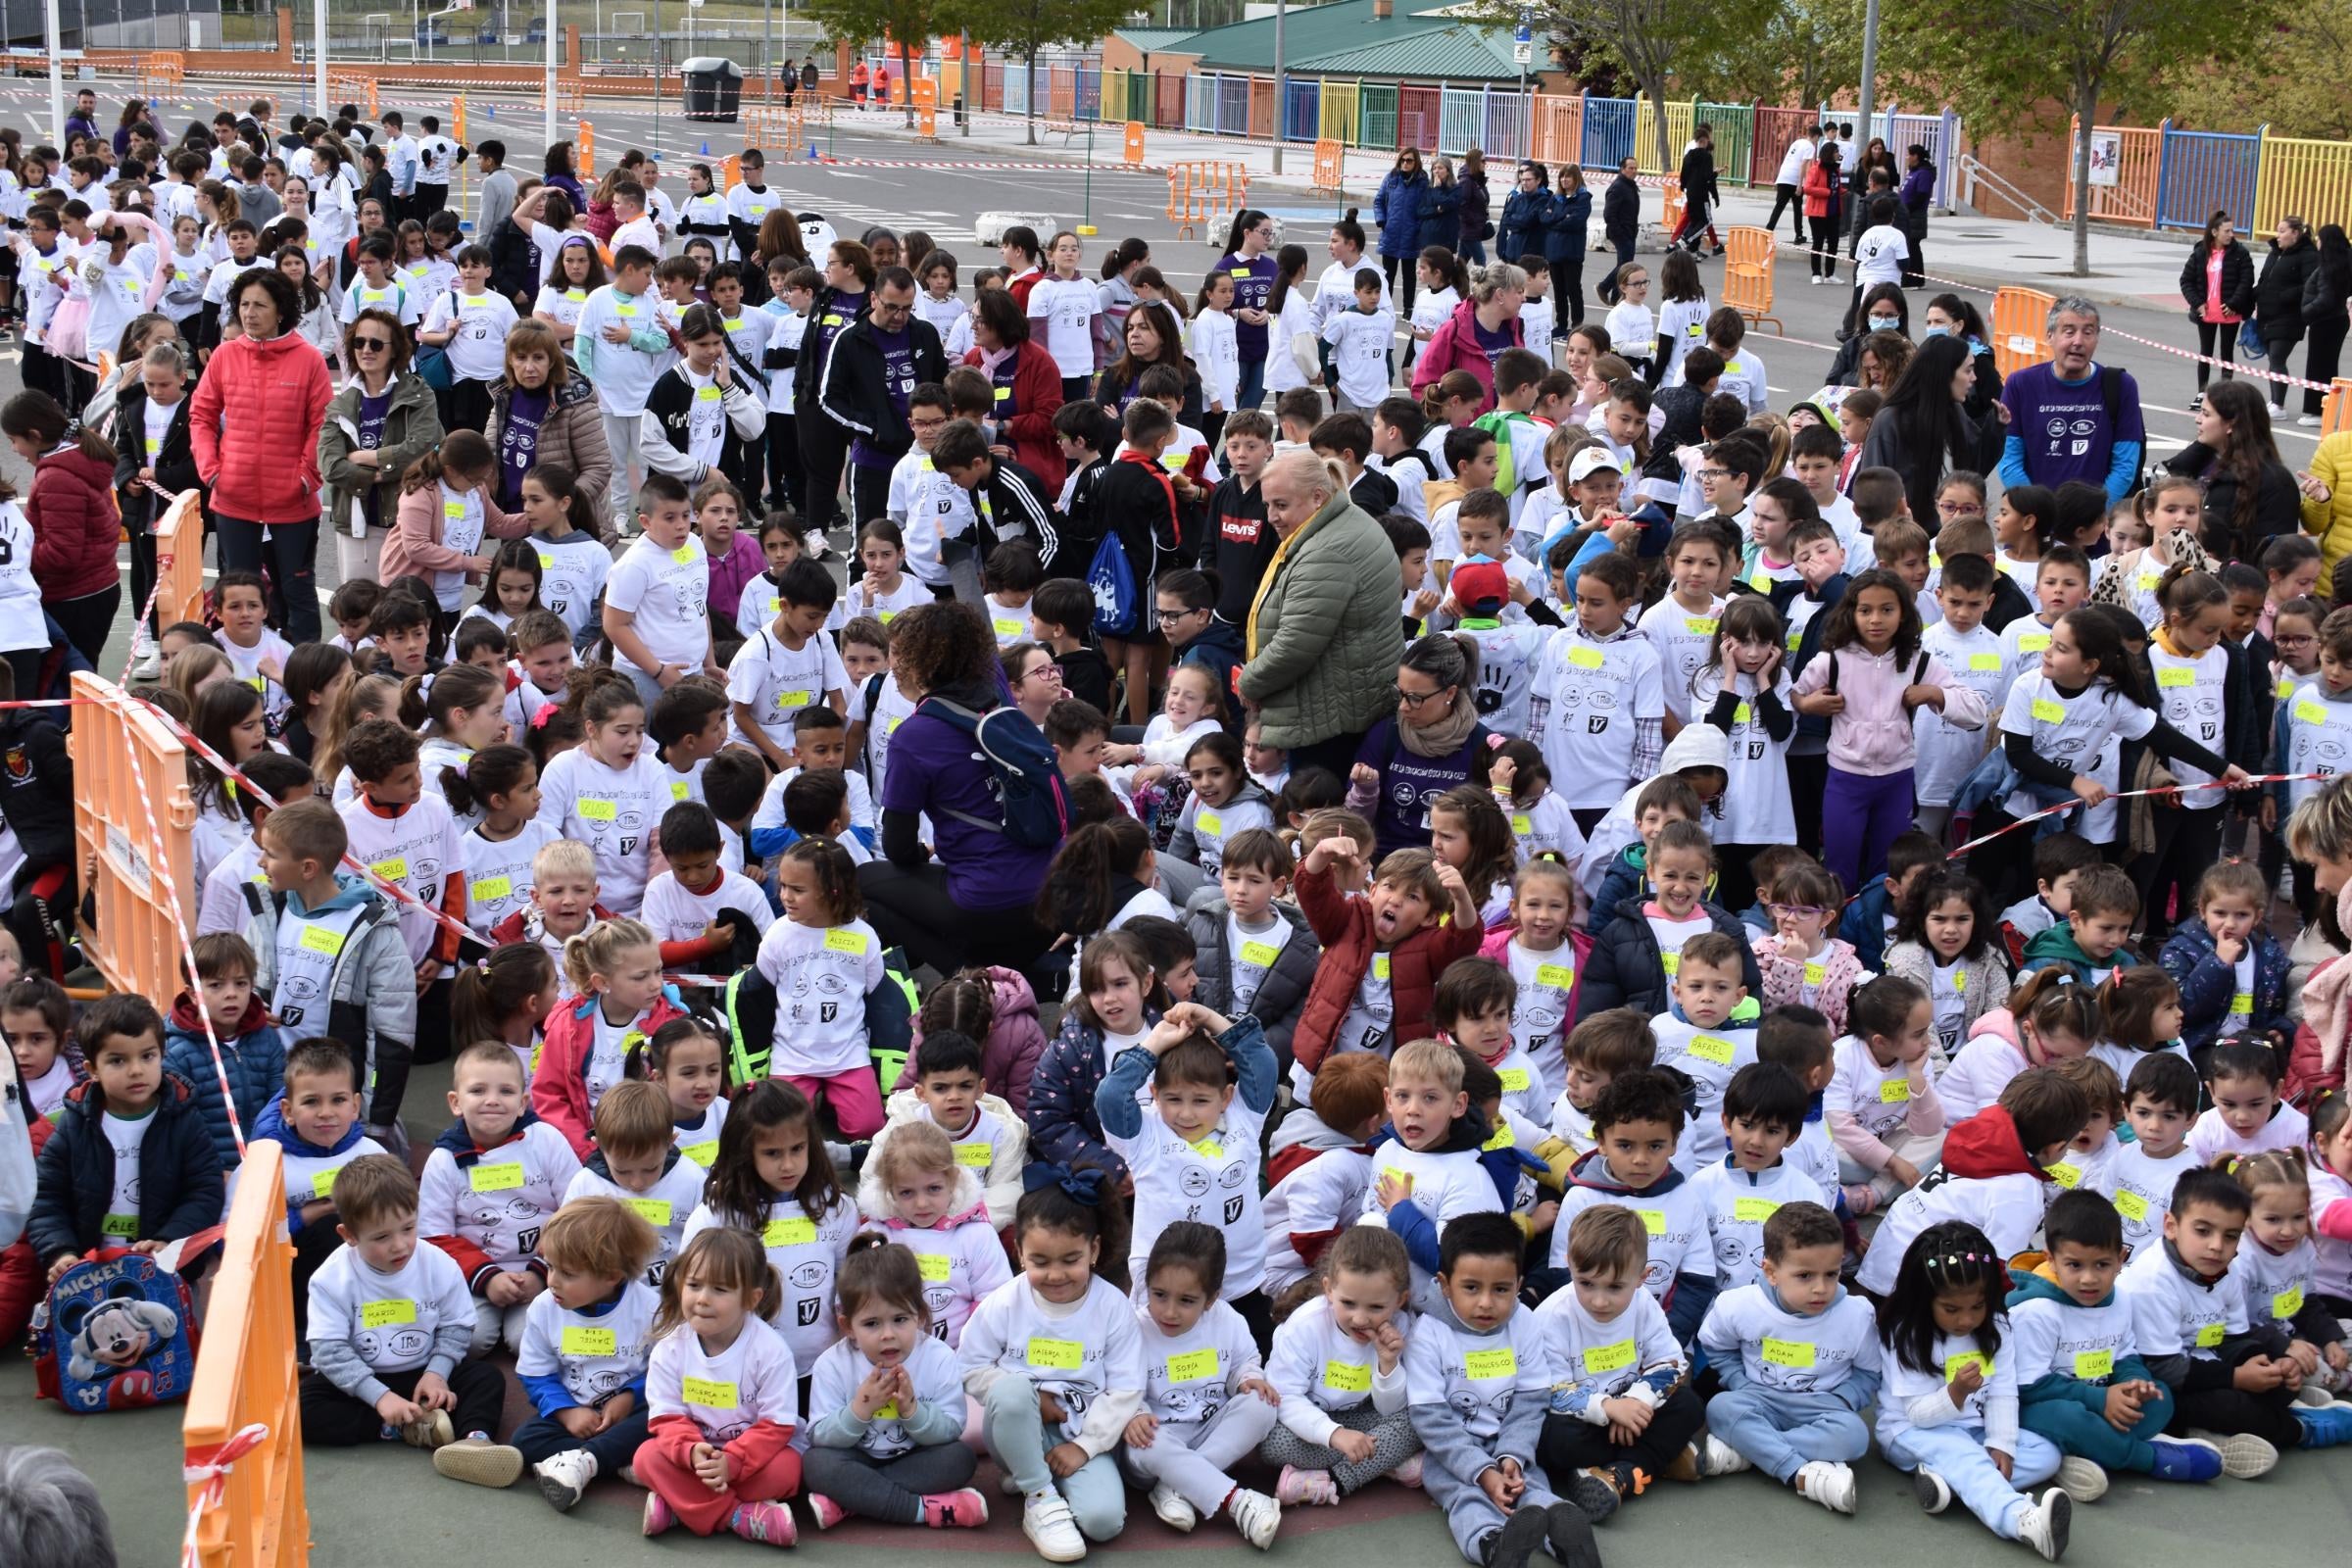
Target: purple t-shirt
1253,286
519,443
898,381
936,768
1493,344
1409,783
2061,428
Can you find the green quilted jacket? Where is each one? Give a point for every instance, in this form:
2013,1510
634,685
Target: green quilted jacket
1325,634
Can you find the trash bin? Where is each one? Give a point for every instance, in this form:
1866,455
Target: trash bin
714,88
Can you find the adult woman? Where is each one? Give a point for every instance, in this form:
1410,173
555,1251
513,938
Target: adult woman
972,906
1397,209
2278,297
1564,248
1481,327
2218,282
1822,203
2250,495
557,171
1252,271
2325,316
780,236
1885,309
1154,336
383,421
135,122
1879,360
1526,215
1914,196
1924,431
2320,838
1323,637
1950,314
1441,206
1857,180
1471,229
74,522
262,464
1426,747
542,411
2326,487
1028,389
824,445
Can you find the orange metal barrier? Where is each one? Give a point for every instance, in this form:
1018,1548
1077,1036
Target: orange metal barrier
245,1376
1132,152
1670,217
2021,318
133,824
1747,273
180,556
1200,191
1329,162
2335,411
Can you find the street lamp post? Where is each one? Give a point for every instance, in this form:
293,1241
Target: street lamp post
1278,93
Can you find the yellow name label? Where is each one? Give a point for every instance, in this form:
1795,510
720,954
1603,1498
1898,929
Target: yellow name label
711,1394
598,812
1211,823
1953,1366
1380,966
2287,1303
2034,643
844,940
590,1341
1699,626
2132,1206
323,1183
1347,1377
1653,1220
1484,1364
1057,1356
1711,1048
1801,1353
1585,658
383,1314
2171,678
502,1177
1499,1138
702,1155
934,1267
2048,712
319,938
1192,1367
677,791
652,1210
1261,955
706,394
1006,626
787,1233
1753,1210
2090,1365
2063,1174
1896,1092
2311,713
1984,663
2209,1335
1816,973
1207,1148
683,555
453,510
1515,1080
1560,976
2242,1002
975,1156
1522,824
1671,963
1609,1357
123,1226
393,869
491,887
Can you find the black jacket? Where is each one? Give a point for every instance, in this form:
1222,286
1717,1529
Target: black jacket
1015,503
1621,210
1698,175
2324,297
37,790
2238,278
1374,491
180,1185
2277,503
2278,292
513,266
854,392
175,465
1238,546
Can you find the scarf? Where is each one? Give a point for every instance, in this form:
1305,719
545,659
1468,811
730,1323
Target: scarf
2324,997
1445,737
2115,584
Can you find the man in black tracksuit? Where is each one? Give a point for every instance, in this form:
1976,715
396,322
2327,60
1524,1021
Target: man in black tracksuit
873,369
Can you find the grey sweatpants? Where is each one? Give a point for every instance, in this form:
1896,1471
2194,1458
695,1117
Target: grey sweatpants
890,1490
620,441
1470,1514
1392,1442
1194,1459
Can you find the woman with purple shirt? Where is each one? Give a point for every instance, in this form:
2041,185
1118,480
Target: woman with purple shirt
1254,273
542,411
383,420
1917,193
973,904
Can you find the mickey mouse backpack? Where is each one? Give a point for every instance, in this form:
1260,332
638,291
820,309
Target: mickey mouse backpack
118,1332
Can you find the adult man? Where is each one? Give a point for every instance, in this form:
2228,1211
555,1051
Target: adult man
1789,185
873,369
83,121
2069,418
1323,636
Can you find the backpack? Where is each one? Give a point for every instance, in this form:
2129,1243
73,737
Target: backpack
1498,423
118,1331
1118,612
1028,781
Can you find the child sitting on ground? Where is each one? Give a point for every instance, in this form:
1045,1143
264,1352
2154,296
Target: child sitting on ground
252,1053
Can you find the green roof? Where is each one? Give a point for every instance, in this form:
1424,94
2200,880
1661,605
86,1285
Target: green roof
1345,36
1149,39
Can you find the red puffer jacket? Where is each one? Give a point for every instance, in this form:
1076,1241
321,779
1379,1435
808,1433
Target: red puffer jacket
74,524
1344,925
1037,395
255,422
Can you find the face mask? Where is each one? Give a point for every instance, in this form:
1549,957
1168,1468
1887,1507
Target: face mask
1885,324
1936,329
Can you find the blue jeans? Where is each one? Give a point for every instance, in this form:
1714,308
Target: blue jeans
1957,1453
543,1438
1252,390
1781,1432
1472,252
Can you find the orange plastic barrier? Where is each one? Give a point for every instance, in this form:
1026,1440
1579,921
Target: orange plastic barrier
2020,323
583,156
457,117
1671,216
180,556
133,823
245,1377
161,74
2335,412
1133,151
927,108
1203,188
570,97
1747,273
1329,153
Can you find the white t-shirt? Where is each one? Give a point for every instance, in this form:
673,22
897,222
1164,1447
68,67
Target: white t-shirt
751,1381
478,350
822,976
500,1199
1878,255
594,1354
669,592
1068,306
572,572
125,1135
2070,731
1213,1182
677,914
412,851
615,811
931,1367
1359,353
498,873
775,682
390,1319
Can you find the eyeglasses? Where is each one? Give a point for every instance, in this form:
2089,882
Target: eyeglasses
1959,508
1415,699
1046,672
2293,642
1797,911
1714,473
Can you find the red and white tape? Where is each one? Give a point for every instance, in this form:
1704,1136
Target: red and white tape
210,1468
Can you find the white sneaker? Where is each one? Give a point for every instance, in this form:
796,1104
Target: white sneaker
2309,420
1256,1515
148,668
1173,1510
2244,1454
2046,1522
1828,1483
2082,1479
563,1479
1717,1457
1934,1494
1045,1520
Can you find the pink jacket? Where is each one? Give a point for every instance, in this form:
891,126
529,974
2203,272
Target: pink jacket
1015,1041
1785,978
1455,347
414,546
1873,737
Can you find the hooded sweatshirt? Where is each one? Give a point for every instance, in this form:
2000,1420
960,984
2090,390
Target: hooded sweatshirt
2057,946
1986,1178
1681,1271
1317,1178
2064,1350
310,1167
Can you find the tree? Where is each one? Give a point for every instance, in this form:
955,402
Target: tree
2293,83
1656,41
1022,27
908,23
1814,46
2069,56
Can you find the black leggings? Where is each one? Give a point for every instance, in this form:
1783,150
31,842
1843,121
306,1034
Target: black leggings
825,448
913,909
2187,841
1406,289
1787,196
2216,338
85,621
1825,245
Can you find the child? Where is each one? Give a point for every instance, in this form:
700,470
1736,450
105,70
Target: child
654,598
582,1359
131,1163
917,1183
1319,1170
2090,946
789,665
1962,643
721,1397
2232,973
1801,961
410,841
1948,1408
1062,614
1707,1037
2160,1096
1535,948
2278,1268
495,1147
1362,339
1337,1369
1255,954
886,1403
314,1118
500,848
844,1009
2247,1116
1427,1158
1807,1362
885,589
2059,860
683,1059
220,1041
702,914
1203,1136
1621,1413
1478,1376
1606,685
1872,676
1740,687
1010,574
331,958
1474,1006
390,1322
563,900
607,792
637,1162
1683,626
1763,1112
1883,1106
1636,956
1224,801
688,726
1597,1051
454,713
779,547
1945,944
1637,1121
1054,1358
1119,1001
1206,1401
543,661
614,970
1995,1174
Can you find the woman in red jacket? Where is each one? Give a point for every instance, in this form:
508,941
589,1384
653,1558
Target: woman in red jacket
261,464
1028,385
75,523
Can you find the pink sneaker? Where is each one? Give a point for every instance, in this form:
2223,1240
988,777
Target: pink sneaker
1407,1474
769,1523
825,1511
658,1517
1312,1488
966,1509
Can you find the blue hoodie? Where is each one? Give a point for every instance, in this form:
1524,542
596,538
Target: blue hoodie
272,1123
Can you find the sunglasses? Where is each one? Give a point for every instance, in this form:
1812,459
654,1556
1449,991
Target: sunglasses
371,345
